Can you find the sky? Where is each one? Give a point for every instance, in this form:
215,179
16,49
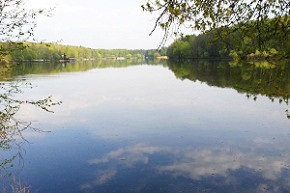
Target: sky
98,24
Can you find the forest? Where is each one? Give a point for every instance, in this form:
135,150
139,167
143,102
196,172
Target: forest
52,52
241,41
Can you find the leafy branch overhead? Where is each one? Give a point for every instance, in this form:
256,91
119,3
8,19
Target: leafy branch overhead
204,15
17,24
16,21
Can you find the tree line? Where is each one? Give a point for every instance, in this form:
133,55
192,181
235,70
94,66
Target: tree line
28,51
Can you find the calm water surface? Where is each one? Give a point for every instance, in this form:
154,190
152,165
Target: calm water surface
157,128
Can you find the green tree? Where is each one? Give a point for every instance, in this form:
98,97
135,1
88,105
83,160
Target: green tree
16,24
205,15
181,49
236,43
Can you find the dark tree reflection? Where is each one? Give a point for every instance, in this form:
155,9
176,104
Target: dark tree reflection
253,79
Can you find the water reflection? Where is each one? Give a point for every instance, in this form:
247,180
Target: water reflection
224,168
257,78
54,68
140,129
12,128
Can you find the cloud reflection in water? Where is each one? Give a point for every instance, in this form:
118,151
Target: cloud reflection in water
221,167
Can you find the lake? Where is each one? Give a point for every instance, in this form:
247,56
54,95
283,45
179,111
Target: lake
200,126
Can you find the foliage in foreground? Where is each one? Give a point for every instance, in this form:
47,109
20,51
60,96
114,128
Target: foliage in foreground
17,24
208,15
